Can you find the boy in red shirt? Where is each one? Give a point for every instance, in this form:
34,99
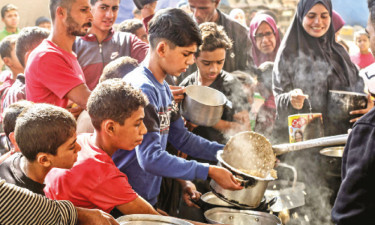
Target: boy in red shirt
117,113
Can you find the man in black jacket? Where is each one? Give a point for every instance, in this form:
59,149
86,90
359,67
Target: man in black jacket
355,203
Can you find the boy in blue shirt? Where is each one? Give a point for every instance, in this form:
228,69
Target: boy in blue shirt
174,38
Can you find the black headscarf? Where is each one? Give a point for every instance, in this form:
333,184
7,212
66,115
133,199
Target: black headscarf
315,65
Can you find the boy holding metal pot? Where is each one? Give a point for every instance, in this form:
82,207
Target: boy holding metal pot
174,38
210,59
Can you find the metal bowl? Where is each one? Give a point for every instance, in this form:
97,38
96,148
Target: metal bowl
203,106
240,217
145,219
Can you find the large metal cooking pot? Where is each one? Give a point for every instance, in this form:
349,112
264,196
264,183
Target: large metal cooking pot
250,196
145,219
240,217
340,104
331,160
203,105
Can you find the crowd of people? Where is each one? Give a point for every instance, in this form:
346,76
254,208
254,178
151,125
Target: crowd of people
90,109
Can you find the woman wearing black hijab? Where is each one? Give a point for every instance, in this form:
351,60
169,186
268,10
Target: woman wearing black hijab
309,63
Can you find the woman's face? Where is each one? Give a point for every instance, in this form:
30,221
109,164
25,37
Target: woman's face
317,21
265,38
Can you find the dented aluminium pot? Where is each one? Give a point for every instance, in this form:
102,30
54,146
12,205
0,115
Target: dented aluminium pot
250,196
203,105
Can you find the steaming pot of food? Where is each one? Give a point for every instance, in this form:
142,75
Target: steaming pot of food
250,158
240,217
203,105
145,219
250,196
331,160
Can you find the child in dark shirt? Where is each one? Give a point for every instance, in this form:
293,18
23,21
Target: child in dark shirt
210,59
46,136
9,123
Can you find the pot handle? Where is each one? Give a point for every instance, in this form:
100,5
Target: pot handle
245,182
228,104
293,170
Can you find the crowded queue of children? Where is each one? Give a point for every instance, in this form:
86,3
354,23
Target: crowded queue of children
89,112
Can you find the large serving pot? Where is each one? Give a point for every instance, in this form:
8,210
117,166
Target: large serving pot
240,217
250,196
340,104
331,160
145,219
203,105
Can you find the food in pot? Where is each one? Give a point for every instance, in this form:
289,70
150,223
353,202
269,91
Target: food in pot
250,153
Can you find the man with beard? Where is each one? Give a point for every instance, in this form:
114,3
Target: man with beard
102,44
53,74
237,58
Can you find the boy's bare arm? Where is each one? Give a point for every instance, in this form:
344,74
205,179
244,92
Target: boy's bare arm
137,206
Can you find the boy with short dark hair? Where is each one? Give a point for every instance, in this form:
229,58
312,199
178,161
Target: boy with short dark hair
8,54
11,19
8,140
210,59
7,77
46,136
174,38
117,113
28,39
134,26
118,68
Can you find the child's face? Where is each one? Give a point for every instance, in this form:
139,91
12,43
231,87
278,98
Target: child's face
210,64
46,25
130,135
142,34
13,61
178,59
363,43
105,13
66,154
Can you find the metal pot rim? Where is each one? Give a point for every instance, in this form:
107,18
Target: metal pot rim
151,218
347,93
208,88
240,211
327,151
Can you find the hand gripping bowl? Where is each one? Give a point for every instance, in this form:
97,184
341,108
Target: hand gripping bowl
203,106
249,156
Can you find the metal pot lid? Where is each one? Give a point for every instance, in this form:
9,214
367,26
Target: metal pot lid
239,217
333,151
145,219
